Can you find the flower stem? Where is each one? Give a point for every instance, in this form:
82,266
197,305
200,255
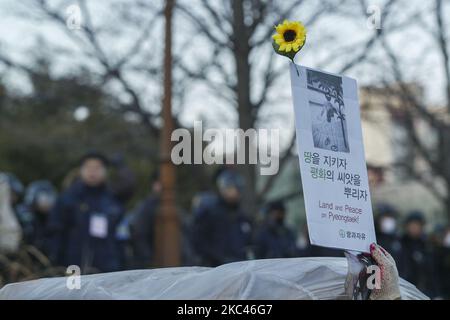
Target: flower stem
296,69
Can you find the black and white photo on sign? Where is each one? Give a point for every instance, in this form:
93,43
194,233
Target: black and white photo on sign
326,102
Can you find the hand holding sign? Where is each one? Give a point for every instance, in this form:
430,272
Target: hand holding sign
332,161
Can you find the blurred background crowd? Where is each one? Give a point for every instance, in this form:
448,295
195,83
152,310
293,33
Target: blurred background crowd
87,224
90,92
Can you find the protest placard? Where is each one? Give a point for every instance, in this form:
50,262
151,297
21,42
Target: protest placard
332,161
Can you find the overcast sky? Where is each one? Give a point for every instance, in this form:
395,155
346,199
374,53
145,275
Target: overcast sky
19,34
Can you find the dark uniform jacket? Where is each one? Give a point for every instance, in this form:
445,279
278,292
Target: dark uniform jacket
83,228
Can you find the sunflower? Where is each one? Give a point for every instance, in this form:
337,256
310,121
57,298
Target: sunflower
290,38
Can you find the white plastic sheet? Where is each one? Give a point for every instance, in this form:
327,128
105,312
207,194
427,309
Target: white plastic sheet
296,278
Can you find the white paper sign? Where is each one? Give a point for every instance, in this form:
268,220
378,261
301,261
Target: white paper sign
332,162
98,226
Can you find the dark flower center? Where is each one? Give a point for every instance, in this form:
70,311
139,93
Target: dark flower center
289,35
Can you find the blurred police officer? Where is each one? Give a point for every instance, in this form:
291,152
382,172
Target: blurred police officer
306,249
10,230
142,225
33,213
122,180
386,228
84,220
442,260
417,258
275,239
221,230
16,189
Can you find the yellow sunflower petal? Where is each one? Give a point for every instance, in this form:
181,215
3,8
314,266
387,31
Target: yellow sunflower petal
281,28
295,47
282,47
299,42
288,47
298,29
299,26
279,41
277,37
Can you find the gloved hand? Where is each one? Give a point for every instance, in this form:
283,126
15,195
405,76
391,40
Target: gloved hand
389,284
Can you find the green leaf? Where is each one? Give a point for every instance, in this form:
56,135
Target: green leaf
290,54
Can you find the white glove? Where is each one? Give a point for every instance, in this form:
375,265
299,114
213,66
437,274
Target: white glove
389,284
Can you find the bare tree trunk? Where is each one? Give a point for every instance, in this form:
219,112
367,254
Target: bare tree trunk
444,152
241,54
447,204
444,157
442,42
167,228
